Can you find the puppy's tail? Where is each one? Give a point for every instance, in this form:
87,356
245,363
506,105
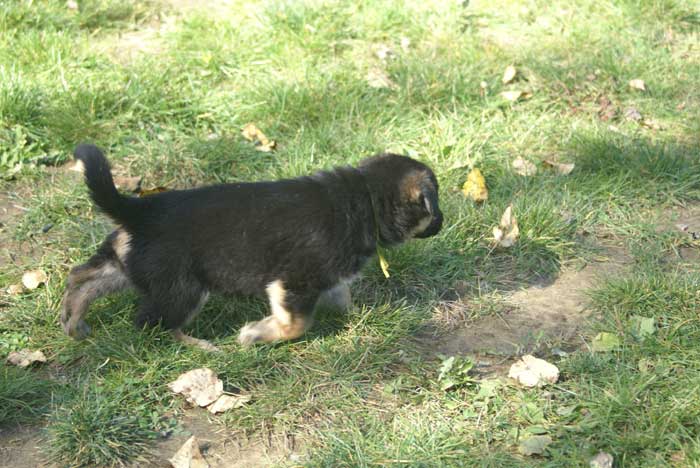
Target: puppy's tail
98,177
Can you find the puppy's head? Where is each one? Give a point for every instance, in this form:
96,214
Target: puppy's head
405,194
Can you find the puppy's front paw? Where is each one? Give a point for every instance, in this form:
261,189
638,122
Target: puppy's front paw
78,330
249,335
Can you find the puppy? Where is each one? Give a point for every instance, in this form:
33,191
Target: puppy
292,240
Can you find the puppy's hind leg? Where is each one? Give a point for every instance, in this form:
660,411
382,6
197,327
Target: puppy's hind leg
86,283
291,316
175,310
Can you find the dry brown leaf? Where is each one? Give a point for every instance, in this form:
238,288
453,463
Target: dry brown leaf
475,186
533,372
650,124
507,232
153,191
227,402
561,168
14,289
383,52
189,456
252,133
377,78
513,96
130,184
25,357
524,167
633,114
77,166
200,386
33,279
638,84
509,74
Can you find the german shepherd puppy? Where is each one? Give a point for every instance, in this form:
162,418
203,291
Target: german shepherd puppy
294,240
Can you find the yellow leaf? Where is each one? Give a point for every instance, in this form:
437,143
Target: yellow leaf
475,186
252,133
509,74
524,167
563,169
153,191
638,84
507,232
383,264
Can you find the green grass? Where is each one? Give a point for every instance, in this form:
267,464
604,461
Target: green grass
355,389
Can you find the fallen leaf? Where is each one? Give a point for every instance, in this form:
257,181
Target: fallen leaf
509,74
604,342
524,167
383,264
682,227
534,445
606,110
25,357
227,402
677,457
602,460
130,184
189,456
533,372
642,327
32,279
383,52
507,232
566,410
14,289
513,96
72,5
633,114
377,78
153,191
475,186
77,166
561,168
405,44
638,84
200,386
650,124
252,133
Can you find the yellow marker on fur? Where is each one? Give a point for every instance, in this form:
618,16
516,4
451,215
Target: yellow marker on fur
383,263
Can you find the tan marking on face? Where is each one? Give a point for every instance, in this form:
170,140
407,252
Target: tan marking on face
412,184
422,226
122,244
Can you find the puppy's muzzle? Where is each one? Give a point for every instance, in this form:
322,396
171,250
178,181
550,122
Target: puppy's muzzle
433,228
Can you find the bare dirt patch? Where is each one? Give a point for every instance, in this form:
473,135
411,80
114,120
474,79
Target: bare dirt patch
548,314
20,447
221,447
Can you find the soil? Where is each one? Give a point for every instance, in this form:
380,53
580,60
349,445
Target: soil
545,316
219,447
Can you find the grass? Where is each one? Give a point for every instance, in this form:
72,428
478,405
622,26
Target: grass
355,389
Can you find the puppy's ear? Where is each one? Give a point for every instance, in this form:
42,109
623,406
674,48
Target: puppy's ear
412,186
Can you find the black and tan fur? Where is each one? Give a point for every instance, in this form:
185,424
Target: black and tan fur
295,241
